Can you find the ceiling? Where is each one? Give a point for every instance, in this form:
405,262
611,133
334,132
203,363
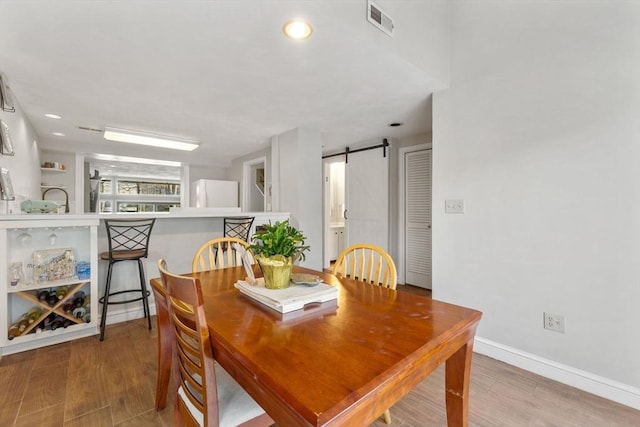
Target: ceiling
220,72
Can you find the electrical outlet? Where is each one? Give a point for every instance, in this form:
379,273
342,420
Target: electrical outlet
554,322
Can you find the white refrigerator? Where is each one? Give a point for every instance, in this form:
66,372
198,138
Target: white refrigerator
209,193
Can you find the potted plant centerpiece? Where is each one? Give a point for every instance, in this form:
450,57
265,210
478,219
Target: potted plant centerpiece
276,247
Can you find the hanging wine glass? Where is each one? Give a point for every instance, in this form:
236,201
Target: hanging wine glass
24,238
53,237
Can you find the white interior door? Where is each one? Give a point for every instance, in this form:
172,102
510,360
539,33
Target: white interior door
367,198
418,218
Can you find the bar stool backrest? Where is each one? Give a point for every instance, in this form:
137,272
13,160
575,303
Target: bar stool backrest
238,227
129,235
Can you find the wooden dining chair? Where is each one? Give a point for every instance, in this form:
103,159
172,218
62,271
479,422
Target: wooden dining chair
165,344
206,395
206,258
217,253
367,263
370,264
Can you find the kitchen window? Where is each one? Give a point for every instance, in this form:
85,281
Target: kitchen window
126,194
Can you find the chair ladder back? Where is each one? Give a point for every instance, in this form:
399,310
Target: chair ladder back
165,344
194,368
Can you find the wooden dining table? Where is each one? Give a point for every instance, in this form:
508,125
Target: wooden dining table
342,362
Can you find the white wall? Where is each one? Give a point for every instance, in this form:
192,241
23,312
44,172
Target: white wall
197,172
540,135
297,183
24,165
420,35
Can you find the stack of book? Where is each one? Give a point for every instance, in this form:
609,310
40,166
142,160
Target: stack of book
289,299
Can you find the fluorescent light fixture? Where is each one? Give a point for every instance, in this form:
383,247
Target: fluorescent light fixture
53,116
134,137
297,29
139,160
58,134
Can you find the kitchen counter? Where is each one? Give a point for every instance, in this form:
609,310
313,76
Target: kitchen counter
175,213
176,236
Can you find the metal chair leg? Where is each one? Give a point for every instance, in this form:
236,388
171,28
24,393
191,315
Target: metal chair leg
105,302
143,289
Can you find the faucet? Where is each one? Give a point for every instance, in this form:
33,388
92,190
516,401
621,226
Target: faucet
66,203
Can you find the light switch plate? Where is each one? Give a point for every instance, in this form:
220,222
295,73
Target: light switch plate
454,206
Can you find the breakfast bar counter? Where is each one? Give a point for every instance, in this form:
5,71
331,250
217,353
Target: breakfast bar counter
176,235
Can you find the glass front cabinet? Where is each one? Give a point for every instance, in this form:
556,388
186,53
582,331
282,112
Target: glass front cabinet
48,281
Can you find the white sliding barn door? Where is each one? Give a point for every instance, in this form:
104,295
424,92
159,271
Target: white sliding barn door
418,218
367,198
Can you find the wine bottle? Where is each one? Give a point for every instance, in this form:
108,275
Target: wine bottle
52,298
62,292
78,301
68,307
66,323
57,322
46,323
87,318
34,314
14,331
79,312
43,294
22,323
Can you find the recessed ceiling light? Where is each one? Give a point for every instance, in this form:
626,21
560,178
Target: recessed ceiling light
394,124
53,116
297,29
58,134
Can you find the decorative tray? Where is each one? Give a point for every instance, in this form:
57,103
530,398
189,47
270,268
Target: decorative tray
288,299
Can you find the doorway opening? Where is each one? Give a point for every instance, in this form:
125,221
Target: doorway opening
334,211
253,194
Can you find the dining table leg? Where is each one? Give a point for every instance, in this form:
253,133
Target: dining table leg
457,378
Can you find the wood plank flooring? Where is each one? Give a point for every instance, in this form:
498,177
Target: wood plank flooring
93,384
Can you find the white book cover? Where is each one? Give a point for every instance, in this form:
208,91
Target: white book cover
288,299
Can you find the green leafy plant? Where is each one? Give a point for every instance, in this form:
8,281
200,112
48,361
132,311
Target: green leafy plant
279,239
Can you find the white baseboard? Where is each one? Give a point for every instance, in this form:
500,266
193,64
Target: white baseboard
125,314
586,381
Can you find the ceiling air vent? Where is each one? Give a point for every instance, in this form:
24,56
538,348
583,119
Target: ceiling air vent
379,19
90,129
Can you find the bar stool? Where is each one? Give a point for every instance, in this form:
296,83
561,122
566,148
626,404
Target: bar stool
238,227
128,241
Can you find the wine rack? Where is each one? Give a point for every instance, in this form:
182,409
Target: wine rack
48,309
19,287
